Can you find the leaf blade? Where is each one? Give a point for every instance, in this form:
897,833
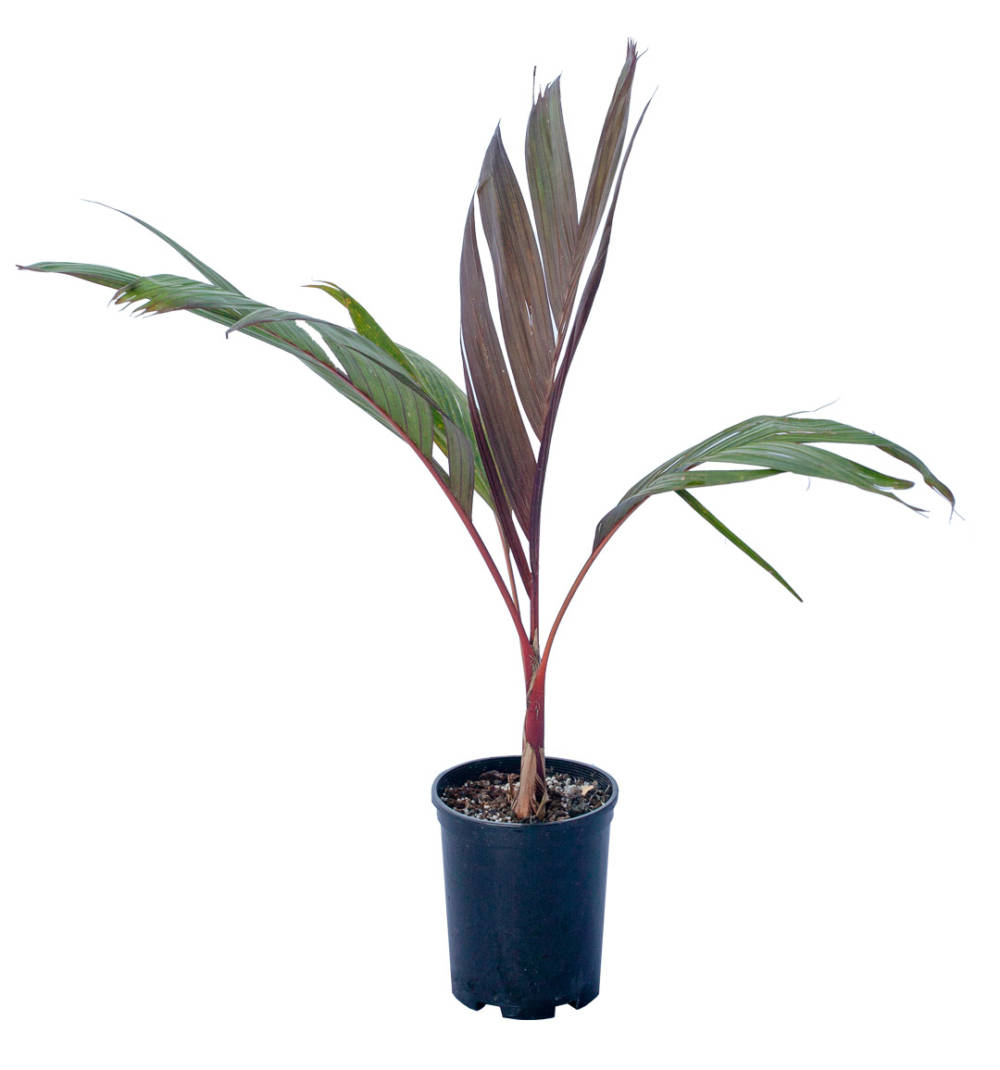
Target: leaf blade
776,444
609,148
439,386
675,481
716,523
210,273
553,194
394,391
812,461
775,430
504,438
403,410
597,270
523,304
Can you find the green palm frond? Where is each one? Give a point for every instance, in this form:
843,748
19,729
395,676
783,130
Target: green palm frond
400,389
768,446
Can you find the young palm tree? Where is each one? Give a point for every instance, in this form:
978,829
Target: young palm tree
544,296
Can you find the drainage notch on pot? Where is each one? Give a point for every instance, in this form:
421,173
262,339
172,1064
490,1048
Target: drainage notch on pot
525,901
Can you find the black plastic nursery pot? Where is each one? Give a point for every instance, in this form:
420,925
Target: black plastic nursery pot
525,901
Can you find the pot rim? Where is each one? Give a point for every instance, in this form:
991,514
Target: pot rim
444,810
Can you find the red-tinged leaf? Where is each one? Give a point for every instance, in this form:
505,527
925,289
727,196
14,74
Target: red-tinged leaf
517,267
490,390
580,321
609,149
553,195
597,271
501,503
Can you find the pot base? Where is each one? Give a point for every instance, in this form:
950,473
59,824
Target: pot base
527,1012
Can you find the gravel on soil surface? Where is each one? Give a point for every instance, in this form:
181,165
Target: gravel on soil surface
490,797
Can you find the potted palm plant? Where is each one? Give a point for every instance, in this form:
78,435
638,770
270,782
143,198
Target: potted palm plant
525,836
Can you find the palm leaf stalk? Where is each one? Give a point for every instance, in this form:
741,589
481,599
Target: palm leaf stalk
544,296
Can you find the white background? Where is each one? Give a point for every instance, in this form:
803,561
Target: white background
241,631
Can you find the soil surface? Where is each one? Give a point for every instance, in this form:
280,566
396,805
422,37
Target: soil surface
491,797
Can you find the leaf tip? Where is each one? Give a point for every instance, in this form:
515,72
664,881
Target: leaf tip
549,89
102,204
